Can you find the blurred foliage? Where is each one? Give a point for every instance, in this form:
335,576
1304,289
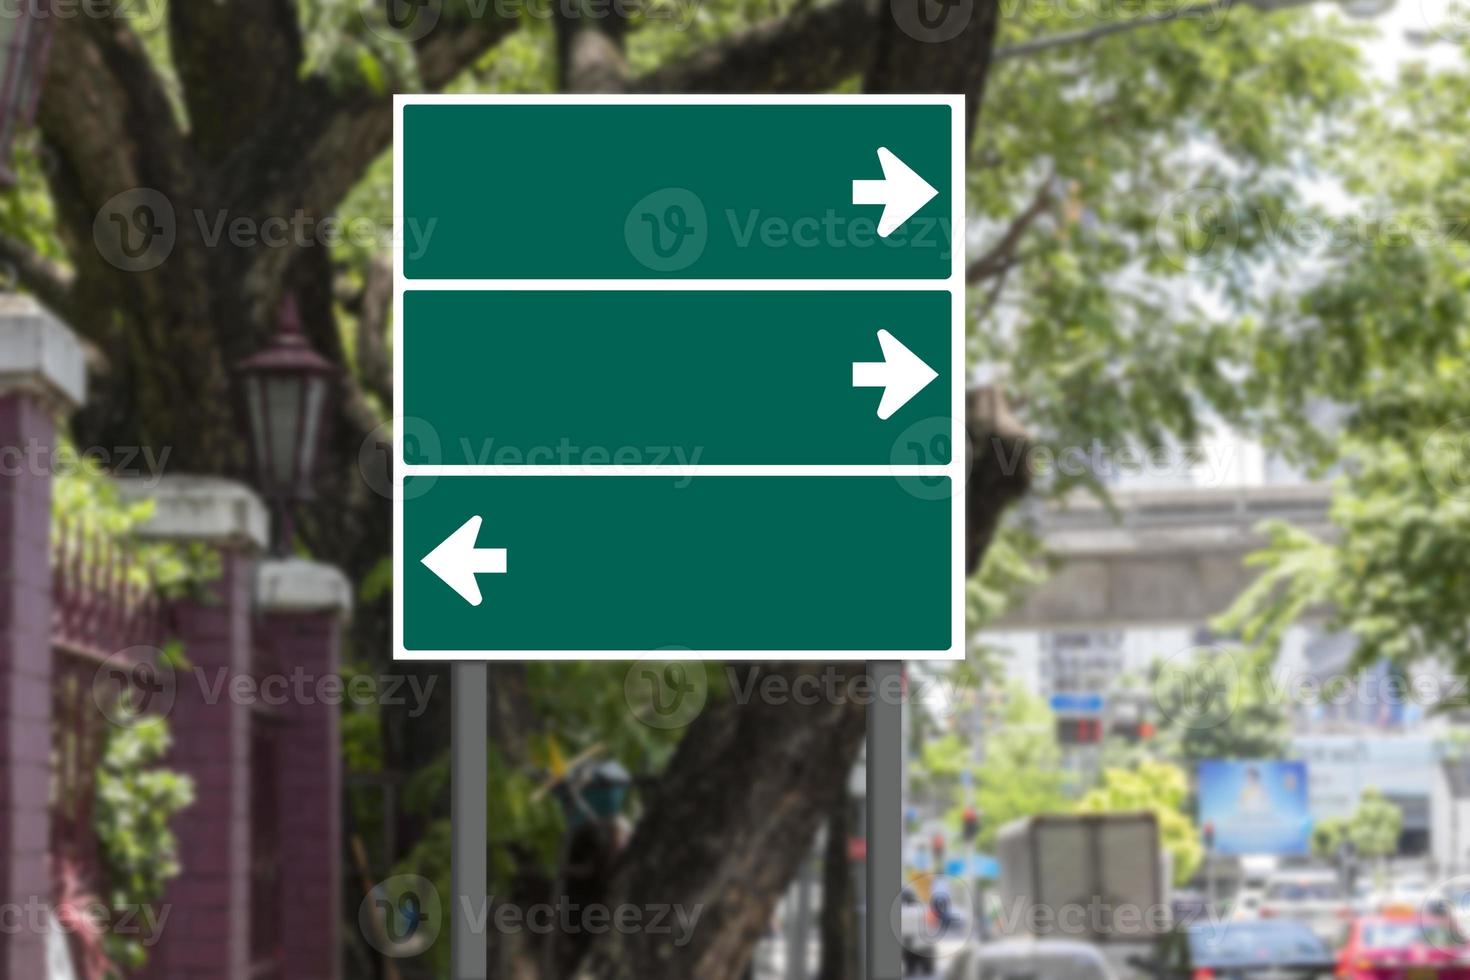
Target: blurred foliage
1163,790
1328,834
136,798
1013,563
1372,830
86,499
1022,773
584,704
1362,369
136,794
1218,703
1117,324
1374,826
1019,775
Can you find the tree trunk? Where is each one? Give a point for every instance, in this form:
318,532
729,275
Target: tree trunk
839,919
727,827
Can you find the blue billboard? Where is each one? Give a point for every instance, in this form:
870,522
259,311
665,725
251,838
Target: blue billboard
1256,807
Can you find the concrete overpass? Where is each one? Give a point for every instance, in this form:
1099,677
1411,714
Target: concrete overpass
1168,557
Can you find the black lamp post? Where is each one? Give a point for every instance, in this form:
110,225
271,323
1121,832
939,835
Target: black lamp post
25,35
285,404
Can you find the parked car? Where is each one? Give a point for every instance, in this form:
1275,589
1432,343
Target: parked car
1030,959
1408,896
1403,947
1189,906
1260,950
1313,897
1247,905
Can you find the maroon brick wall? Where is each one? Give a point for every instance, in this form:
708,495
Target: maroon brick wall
208,931
309,794
25,685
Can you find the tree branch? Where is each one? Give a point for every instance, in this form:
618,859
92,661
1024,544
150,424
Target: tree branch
1000,472
1196,11
917,53
999,257
48,281
810,50
104,106
456,44
371,306
226,104
318,151
590,50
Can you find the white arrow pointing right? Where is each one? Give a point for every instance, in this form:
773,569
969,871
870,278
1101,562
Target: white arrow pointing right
457,561
901,192
901,374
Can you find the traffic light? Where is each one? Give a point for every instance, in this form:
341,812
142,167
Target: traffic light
937,844
971,824
1079,731
1133,731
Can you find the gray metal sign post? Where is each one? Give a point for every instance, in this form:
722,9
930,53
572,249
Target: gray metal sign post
469,820
885,821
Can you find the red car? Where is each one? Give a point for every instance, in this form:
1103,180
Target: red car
1385,947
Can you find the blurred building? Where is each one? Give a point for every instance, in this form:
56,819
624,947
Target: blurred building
1450,807
1137,586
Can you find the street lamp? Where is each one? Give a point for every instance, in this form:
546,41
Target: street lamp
25,36
285,401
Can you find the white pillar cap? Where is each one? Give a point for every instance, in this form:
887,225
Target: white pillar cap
40,354
201,508
299,585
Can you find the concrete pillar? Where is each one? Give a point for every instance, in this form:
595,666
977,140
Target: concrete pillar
42,377
301,606
208,932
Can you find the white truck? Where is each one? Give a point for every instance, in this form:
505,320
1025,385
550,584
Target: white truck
1098,878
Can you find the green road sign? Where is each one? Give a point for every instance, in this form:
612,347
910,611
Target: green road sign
717,377
638,563
506,190
703,394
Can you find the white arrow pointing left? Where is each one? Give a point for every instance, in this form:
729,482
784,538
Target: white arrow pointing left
901,374
457,561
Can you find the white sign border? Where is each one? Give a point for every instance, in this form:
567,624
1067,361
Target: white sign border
956,469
